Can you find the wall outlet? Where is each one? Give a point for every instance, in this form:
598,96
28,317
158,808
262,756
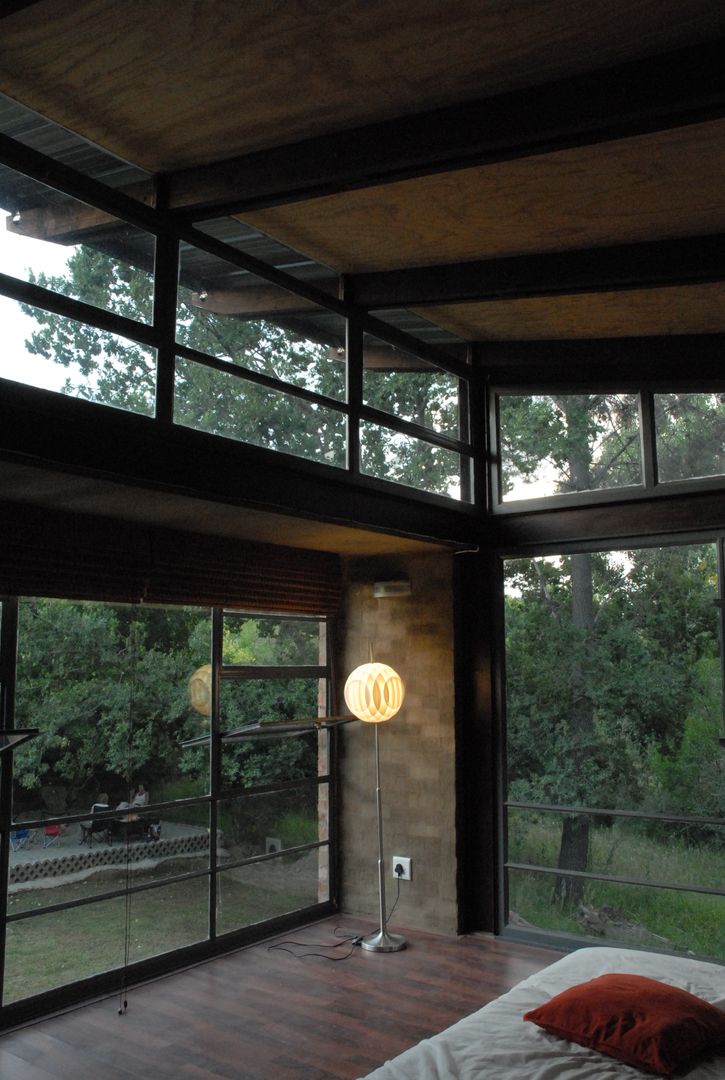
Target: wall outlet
406,863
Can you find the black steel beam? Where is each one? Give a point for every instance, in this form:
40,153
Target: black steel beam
672,362
686,261
48,430
11,7
650,94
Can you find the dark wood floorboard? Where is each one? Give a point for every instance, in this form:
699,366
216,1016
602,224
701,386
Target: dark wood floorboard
262,1014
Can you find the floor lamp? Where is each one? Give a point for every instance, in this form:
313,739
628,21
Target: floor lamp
374,693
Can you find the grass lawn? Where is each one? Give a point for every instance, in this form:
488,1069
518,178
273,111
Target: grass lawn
51,950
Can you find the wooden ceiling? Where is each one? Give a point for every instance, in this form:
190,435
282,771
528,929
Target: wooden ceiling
383,137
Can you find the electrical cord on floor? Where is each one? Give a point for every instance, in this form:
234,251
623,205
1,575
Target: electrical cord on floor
354,940
351,939
283,947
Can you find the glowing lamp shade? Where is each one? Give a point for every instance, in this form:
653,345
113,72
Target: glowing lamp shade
200,690
374,692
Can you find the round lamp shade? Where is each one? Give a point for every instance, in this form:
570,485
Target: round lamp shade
200,690
374,692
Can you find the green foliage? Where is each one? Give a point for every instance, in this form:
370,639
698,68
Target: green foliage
642,670
580,442
108,688
689,772
115,371
298,829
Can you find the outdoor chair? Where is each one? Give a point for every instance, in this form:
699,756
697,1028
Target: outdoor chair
51,835
90,828
20,838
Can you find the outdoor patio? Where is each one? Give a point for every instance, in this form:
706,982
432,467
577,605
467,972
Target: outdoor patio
67,857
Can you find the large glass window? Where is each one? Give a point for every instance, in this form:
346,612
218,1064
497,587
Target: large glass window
275,767
616,778
114,803
551,444
690,435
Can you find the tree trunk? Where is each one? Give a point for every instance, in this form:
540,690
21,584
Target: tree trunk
573,855
574,846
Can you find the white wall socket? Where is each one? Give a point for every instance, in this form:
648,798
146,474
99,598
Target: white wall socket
406,863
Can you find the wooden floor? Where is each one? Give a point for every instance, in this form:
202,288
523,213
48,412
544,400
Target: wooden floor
262,1013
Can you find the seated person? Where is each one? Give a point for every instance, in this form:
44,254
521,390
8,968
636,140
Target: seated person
141,797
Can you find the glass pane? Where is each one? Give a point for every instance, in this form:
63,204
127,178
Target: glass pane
640,916
107,685
614,700
273,642
389,455
169,917
67,869
57,865
551,445
227,313
690,435
402,384
47,951
656,851
54,353
251,894
266,760
268,823
76,250
220,403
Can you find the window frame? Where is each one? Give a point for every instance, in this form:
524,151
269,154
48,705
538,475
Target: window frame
214,943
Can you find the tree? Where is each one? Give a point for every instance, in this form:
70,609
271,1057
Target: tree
114,371
107,686
599,633
642,676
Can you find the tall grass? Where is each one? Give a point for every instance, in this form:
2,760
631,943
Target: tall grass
685,921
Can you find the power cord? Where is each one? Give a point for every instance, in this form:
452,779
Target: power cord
349,939
353,940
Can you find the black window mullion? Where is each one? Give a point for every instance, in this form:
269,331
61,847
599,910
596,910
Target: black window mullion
25,292
250,671
166,274
354,393
8,666
649,440
215,750
228,367
720,604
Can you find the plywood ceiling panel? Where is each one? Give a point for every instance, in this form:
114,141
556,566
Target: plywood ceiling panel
654,186
173,83
90,495
691,309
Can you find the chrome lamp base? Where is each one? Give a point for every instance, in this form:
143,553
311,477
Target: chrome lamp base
382,941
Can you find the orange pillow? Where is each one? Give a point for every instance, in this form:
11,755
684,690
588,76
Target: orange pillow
640,1021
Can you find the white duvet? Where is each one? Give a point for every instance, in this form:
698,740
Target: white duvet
495,1043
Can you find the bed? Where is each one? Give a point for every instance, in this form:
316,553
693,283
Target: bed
495,1042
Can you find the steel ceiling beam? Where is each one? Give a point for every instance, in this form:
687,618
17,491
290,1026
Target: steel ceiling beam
684,261
681,87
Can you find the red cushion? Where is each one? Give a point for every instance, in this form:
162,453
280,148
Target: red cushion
640,1021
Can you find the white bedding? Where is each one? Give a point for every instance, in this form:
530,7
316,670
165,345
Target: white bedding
495,1043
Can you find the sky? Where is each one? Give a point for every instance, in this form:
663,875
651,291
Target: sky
17,254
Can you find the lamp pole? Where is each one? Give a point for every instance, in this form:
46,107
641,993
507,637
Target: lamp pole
381,940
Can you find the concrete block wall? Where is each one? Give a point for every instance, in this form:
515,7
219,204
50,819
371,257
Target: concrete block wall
414,634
